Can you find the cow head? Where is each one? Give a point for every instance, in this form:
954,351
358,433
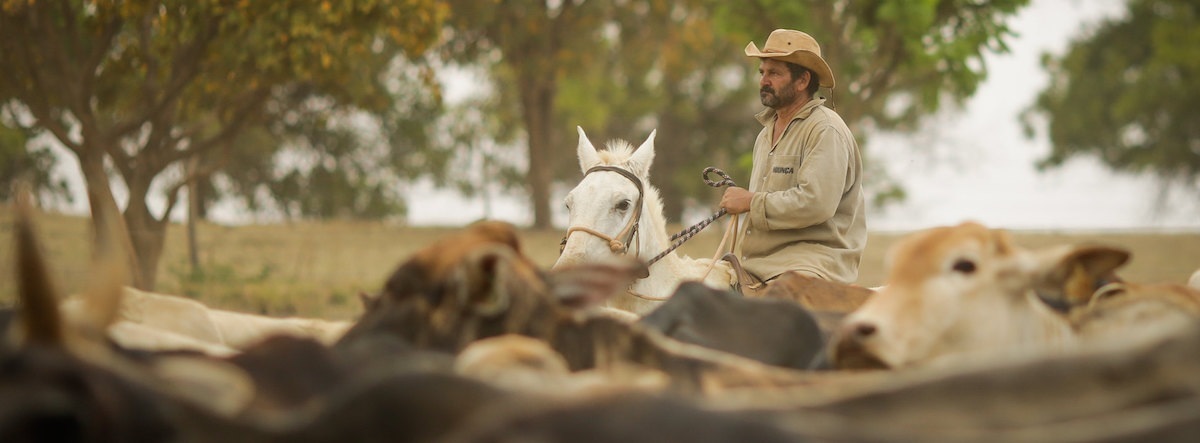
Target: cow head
956,291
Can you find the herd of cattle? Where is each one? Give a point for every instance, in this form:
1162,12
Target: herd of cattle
972,338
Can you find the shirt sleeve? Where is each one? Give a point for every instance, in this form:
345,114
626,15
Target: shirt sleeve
820,182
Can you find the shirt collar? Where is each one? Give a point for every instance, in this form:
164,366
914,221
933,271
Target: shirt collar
767,116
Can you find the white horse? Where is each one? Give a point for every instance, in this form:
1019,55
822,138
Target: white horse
614,211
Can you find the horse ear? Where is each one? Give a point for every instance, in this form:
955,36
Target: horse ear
587,153
639,162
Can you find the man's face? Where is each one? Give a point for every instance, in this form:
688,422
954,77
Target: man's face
777,88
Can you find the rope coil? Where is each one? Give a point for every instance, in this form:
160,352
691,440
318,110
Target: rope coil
683,236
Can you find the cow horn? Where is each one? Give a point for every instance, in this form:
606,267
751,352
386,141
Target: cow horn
39,318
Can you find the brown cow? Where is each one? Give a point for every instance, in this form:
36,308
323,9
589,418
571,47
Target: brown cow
960,291
829,302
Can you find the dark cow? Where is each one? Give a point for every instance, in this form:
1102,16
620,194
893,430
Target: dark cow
624,417
773,331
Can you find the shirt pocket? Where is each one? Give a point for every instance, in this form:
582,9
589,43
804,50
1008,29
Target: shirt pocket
783,172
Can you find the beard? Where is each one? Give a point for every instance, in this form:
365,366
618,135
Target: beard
775,100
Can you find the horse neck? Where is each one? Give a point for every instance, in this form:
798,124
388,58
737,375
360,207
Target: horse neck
666,273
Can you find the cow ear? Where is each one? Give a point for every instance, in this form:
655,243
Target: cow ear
591,284
489,277
1070,275
643,157
588,156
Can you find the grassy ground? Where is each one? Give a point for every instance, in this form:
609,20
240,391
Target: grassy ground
317,269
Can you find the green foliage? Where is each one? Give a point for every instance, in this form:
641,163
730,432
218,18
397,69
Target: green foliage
622,69
148,86
1126,94
20,161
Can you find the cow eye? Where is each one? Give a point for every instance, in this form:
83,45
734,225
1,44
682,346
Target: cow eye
964,266
623,205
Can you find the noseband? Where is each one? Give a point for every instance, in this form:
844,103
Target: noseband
618,244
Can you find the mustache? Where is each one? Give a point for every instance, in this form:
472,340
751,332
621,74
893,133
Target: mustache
766,89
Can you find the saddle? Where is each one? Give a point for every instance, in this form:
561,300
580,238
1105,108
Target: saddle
747,284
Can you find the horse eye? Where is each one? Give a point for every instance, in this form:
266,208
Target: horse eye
964,266
623,205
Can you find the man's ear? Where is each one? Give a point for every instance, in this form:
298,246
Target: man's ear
805,79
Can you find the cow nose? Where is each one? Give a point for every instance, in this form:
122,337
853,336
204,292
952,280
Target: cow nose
855,347
864,330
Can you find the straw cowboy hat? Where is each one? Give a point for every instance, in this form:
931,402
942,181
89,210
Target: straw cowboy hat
796,47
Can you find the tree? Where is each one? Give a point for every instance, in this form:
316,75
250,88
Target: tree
21,162
141,87
678,66
528,46
1125,93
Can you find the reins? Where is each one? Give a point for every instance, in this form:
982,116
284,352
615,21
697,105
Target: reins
619,243
683,236
678,239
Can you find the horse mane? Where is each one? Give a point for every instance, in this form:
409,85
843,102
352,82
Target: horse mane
617,153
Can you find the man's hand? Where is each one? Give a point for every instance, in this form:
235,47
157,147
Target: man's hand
736,200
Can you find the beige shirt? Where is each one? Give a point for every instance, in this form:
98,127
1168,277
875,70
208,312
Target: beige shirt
807,212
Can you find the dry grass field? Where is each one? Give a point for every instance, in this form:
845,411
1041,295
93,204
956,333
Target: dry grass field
317,269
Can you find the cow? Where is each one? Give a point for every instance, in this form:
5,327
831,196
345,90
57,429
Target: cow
955,292
1099,304
520,363
829,302
179,318
633,417
773,331
478,284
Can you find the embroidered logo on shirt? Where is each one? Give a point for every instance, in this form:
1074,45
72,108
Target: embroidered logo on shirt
783,169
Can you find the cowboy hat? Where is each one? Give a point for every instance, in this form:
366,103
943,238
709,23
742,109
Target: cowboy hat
795,47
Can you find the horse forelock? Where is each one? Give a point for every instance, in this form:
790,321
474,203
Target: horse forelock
616,153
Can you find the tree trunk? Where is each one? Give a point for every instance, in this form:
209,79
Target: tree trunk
669,155
194,215
148,235
537,102
109,229
146,232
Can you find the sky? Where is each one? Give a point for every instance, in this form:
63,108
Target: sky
969,164
973,163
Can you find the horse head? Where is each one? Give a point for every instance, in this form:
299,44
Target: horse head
606,208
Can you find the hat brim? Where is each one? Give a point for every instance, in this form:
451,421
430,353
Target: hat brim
802,57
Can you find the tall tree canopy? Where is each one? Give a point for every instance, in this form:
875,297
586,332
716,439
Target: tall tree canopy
1126,94
623,68
143,87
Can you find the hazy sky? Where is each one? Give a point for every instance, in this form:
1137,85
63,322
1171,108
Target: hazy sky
969,164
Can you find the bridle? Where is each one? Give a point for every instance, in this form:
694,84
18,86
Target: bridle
619,243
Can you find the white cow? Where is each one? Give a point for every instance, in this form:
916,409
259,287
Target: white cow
959,292
148,320
605,205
